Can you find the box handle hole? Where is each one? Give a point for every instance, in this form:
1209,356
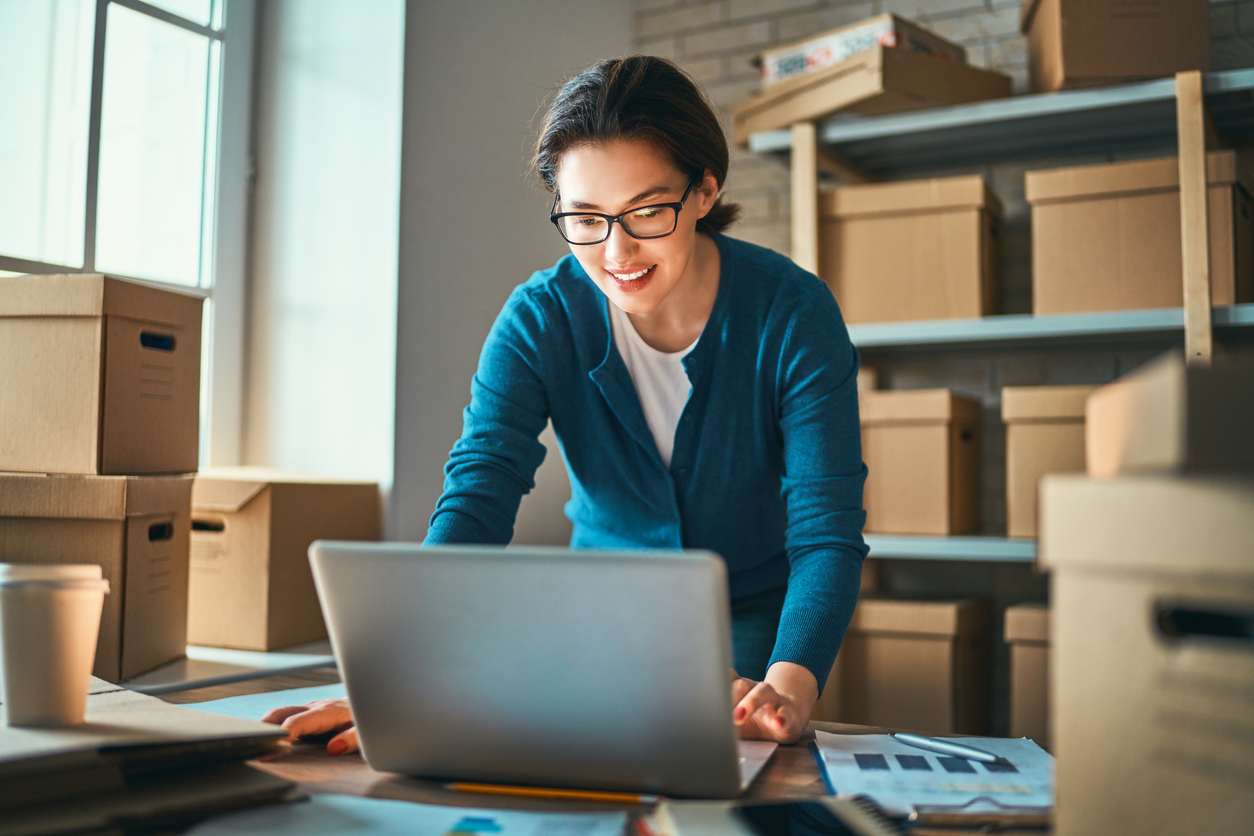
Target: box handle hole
1182,623
160,342
160,531
208,525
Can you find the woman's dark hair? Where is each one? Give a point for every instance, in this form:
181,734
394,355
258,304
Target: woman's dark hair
640,97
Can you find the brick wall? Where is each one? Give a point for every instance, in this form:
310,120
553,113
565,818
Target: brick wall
715,42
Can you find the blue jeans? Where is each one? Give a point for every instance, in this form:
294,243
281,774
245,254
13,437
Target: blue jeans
755,621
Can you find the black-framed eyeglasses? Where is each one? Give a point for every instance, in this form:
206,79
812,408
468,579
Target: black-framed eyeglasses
656,221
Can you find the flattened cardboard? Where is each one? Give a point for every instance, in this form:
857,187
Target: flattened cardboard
1167,416
919,249
921,449
1044,434
137,528
130,725
1086,43
251,585
1027,633
820,51
1107,237
1151,704
921,665
878,80
100,376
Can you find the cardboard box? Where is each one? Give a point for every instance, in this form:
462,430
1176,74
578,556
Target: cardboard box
821,51
917,665
1167,416
1107,237
1153,679
100,376
1085,43
919,249
921,449
1044,434
878,80
1027,633
136,528
251,586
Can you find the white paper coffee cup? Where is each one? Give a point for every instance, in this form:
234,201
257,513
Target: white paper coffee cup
49,623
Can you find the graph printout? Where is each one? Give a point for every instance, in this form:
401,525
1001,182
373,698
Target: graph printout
901,779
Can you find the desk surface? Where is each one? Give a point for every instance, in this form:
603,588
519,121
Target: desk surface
791,772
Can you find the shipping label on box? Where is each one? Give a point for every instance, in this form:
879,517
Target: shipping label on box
834,46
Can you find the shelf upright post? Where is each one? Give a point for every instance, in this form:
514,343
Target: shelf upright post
1194,130
805,196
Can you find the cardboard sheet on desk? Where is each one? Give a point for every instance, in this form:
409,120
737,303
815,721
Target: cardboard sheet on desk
901,778
252,706
117,720
344,815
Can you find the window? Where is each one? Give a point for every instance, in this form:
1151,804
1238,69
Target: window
113,117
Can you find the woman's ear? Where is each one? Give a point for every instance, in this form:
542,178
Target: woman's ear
709,193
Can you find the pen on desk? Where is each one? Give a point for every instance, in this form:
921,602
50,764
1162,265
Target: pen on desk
602,796
944,747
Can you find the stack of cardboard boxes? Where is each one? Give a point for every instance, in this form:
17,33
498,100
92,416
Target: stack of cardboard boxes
1152,586
883,64
100,405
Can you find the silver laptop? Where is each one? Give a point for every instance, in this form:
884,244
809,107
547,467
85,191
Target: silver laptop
598,670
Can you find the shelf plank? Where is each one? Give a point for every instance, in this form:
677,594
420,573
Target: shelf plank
1102,120
991,549
1025,328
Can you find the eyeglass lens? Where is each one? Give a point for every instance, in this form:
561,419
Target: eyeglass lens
648,222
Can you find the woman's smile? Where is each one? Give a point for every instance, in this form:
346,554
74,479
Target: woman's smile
630,280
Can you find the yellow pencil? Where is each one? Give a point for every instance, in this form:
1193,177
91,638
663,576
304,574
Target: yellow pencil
602,796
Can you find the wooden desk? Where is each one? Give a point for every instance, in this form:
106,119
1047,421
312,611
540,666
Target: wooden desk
791,772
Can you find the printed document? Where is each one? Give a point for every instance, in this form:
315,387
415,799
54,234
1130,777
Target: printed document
901,779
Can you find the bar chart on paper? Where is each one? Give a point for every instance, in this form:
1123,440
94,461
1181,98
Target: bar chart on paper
902,779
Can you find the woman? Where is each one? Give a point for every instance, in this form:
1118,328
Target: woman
703,391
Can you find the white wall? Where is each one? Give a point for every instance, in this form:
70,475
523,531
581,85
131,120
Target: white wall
476,75
321,375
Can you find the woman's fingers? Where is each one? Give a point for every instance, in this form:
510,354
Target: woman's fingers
765,714
318,717
277,715
760,696
342,743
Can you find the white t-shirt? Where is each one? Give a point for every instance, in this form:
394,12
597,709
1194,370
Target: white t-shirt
660,378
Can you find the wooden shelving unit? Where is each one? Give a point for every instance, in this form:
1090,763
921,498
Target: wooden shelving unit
987,549
1193,112
1027,330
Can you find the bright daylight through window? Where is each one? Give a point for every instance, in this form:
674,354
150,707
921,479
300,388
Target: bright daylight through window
108,154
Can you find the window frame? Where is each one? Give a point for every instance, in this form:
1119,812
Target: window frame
221,281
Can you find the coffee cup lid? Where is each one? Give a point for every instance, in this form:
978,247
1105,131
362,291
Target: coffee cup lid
49,572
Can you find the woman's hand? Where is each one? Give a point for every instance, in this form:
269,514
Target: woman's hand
318,717
777,708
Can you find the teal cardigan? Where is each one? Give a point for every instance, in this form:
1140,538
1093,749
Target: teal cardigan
767,467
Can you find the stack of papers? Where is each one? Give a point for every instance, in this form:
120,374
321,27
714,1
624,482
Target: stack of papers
902,780
137,763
